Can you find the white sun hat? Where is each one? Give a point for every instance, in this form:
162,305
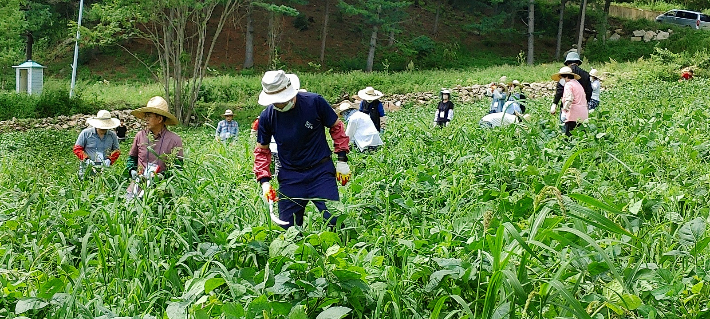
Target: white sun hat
344,106
157,105
228,113
103,120
369,94
278,87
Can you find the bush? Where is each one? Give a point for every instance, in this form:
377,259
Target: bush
57,102
17,105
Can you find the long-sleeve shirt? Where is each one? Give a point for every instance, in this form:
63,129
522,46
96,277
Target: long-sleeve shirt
574,103
583,80
596,88
362,131
226,129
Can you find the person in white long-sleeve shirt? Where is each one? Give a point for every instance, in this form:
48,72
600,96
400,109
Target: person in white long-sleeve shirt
360,128
596,89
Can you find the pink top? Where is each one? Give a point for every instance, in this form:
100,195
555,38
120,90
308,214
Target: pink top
165,143
575,101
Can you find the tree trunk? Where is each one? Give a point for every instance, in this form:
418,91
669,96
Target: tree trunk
531,31
371,53
559,29
391,38
581,28
324,34
272,38
30,42
249,45
436,18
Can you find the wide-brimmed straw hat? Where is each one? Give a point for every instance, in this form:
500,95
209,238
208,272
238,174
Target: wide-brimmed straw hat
564,70
594,73
228,113
344,106
515,83
103,120
573,57
369,94
157,105
278,87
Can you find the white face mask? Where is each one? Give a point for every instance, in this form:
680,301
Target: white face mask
285,108
562,81
500,90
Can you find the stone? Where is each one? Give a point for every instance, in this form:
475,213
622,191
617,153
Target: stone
615,37
662,35
639,33
649,35
636,39
619,31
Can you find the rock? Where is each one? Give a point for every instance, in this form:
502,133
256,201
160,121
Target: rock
649,36
639,33
636,39
619,31
662,35
615,37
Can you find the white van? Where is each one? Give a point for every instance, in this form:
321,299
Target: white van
695,20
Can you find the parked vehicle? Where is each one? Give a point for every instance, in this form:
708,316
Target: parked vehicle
695,20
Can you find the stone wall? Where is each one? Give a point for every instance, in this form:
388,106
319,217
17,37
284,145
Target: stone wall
632,14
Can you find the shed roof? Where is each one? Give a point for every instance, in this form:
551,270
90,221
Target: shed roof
29,64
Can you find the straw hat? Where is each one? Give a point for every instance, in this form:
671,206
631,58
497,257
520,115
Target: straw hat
344,106
594,73
503,79
103,120
516,83
278,87
573,57
159,106
369,94
564,70
228,113
445,91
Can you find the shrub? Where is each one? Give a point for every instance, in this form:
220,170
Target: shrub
17,105
55,102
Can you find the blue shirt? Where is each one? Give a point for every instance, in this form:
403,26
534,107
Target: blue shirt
380,108
91,142
299,132
224,127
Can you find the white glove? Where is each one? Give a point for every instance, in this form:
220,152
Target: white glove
268,192
88,162
342,172
107,162
553,108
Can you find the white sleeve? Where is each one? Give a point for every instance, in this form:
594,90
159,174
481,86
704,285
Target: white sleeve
352,127
451,114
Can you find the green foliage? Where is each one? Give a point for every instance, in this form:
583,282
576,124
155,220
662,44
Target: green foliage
17,105
52,102
301,22
423,45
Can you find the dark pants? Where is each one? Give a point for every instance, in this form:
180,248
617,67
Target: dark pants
569,126
292,211
298,187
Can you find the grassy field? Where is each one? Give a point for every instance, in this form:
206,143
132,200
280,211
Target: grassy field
461,222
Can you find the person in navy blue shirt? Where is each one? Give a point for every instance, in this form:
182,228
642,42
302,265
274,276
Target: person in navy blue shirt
297,121
372,106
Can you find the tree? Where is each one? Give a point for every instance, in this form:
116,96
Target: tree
276,12
180,31
559,29
324,33
581,27
375,13
531,31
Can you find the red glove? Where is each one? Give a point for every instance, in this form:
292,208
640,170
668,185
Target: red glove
114,156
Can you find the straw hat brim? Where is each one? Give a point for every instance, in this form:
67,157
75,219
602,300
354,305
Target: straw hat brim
367,97
345,106
286,95
140,113
104,124
558,76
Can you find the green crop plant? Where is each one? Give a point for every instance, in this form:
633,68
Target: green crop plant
459,222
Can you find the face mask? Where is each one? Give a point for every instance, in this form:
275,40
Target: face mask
562,81
285,108
500,90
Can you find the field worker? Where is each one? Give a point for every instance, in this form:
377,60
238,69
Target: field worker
360,129
574,102
573,61
596,89
372,106
686,75
502,119
445,110
157,137
227,128
121,132
254,127
499,94
97,145
516,99
297,121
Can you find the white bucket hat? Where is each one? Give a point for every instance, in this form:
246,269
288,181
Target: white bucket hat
103,120
228,113
278,87
157,105
564,70
369,94
344,106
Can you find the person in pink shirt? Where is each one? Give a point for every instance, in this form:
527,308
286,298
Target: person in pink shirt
574,100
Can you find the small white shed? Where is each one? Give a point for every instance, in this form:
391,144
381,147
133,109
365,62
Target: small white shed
30,77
